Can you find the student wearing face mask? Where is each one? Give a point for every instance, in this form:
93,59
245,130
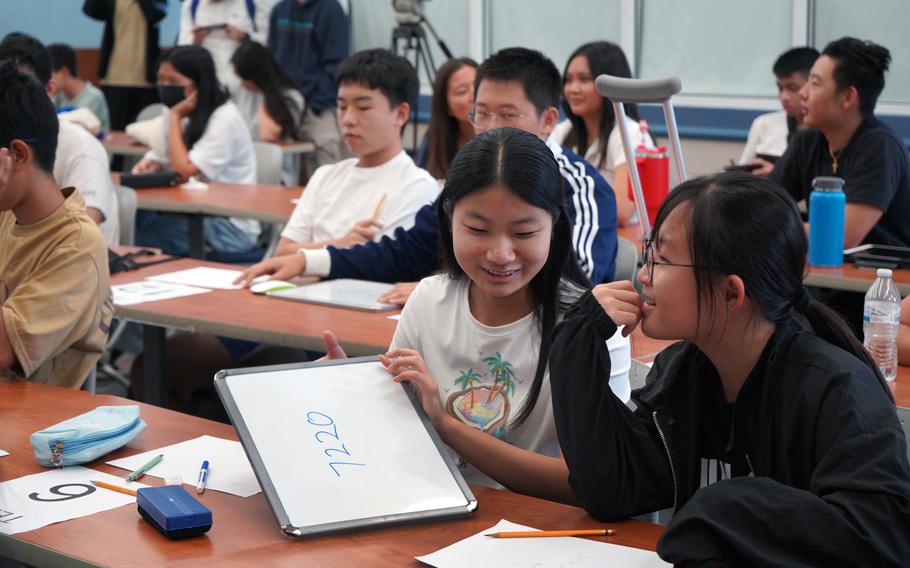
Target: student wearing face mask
204,136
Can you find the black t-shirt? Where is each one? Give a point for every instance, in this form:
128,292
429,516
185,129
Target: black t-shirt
875,166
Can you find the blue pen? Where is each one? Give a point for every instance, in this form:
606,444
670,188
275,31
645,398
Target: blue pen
203,473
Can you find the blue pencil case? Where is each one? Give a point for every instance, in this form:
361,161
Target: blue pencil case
88,436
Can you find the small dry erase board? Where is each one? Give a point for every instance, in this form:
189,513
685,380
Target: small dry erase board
342,293
338,446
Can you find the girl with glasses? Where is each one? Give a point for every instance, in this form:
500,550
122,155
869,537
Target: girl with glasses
767,427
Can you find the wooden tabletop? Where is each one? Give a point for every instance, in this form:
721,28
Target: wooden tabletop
245,532
262,202
117,142
243,315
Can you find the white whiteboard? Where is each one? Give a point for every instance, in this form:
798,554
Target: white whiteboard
338,446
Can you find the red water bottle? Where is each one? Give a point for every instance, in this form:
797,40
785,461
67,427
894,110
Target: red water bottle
653,171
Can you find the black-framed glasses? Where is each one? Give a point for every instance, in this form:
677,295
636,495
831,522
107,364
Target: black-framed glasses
482,118
647,258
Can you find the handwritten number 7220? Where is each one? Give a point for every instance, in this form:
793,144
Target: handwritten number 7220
325,421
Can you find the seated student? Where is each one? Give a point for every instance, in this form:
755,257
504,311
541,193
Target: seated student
770,133
380,189
279,105
848,141
903,339
768,427
204,136
81,161
515,87
479,364
55,295
450,127
590,128
352,201
72,90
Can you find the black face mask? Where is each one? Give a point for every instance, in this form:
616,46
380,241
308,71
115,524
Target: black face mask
171,95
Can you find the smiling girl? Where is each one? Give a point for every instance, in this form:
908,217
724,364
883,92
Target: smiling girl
473,341
767,427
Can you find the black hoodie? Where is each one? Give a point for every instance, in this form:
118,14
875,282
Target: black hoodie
814,450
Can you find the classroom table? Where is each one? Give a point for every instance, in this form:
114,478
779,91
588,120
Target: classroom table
262,202
119,143
244,532
846,277
243,315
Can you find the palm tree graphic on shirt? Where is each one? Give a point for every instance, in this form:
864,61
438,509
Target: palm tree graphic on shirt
484,406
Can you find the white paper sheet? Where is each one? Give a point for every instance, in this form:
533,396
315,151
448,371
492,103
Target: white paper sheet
205,277
57,495
229,469
150,291
480,551
2,453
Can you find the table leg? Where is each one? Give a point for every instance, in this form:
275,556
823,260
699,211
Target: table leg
197,242
154,383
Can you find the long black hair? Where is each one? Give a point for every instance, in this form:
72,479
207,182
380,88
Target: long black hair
196,64
253,62
603,57
750,226
522,163
442,133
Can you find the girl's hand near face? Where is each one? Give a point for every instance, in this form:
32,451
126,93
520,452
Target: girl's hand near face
620,300
407,365
185,107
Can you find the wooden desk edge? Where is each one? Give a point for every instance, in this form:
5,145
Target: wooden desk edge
151,204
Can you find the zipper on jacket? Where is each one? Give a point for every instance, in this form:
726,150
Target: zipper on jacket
663,439
749,461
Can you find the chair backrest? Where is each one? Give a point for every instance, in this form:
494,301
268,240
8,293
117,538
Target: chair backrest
268,162
91,381
904,415
626,260
149,112
126,200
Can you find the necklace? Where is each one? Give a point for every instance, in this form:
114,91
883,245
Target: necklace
834,156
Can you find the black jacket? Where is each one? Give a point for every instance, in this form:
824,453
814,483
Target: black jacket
818,459
154,11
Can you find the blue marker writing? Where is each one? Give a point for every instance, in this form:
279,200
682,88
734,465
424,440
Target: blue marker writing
203,473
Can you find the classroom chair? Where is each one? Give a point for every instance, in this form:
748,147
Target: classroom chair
91,382
904,415
127,202
151,111
268,162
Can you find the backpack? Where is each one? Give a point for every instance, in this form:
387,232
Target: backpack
250,9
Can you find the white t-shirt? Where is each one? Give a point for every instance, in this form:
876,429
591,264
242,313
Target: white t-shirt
224,153
82,162
462,354
767,135
222,47
341,194
615,157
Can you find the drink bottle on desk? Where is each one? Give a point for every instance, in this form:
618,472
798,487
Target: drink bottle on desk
827,205
881,320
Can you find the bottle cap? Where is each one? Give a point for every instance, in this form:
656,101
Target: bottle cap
828,183
883,273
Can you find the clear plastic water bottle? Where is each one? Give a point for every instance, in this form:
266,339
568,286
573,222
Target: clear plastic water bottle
881,320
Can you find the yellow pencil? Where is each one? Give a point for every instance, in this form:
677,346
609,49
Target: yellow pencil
117,488
378,206
537,534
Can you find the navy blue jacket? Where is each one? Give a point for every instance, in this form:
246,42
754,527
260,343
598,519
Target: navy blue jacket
309,41
414,253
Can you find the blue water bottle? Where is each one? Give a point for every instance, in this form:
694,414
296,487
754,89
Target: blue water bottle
826,221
